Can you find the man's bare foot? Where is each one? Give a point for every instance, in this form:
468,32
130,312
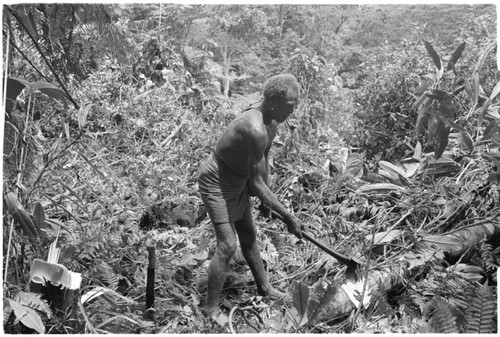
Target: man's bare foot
215,315
276,295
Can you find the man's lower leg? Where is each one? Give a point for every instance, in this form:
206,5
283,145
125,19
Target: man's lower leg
216,276
254,260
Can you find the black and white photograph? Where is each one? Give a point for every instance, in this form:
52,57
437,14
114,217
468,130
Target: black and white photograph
242,168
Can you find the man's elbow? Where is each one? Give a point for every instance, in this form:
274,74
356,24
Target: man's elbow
256,187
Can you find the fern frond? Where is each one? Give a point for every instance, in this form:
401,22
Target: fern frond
481,313
108,276
443,318
379,304
459,301
487,256
34,301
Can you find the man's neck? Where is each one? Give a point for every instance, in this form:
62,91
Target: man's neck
266,116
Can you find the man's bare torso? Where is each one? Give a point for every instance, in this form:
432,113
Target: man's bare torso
232,147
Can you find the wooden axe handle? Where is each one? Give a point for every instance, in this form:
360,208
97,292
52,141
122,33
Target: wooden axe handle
341,258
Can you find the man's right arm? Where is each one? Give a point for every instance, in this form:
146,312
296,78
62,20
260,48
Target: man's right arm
257,142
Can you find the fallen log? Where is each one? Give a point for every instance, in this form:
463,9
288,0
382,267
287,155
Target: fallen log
455,243
330,302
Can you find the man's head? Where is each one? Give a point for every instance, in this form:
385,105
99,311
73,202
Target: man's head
281,93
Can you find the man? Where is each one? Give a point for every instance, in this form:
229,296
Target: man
238,169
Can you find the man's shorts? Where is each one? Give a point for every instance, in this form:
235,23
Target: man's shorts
223,191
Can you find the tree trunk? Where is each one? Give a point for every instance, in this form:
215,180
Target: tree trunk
281,19
226,59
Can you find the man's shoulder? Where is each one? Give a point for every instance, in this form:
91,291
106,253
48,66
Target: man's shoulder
252,123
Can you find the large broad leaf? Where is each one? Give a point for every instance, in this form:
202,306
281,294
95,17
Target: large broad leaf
475,88
417,154
491,129
421,88
466,138
20,215
379,188
423,116
495,158
395,170
432,127
432,53
482,113
300,297
16,85
495,91
385,237
7,311
447,109
39,216
106,292
443,131
14,88
467,141
468,89
83,114
354,164
27,316
440,167
483,56
27,21
418,102
34,301
440,95
50,90
455,56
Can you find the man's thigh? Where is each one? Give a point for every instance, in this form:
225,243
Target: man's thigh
225,232
245,227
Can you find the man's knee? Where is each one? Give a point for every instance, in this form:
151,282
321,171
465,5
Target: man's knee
226,249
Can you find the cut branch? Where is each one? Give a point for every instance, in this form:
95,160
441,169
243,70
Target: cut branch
174,133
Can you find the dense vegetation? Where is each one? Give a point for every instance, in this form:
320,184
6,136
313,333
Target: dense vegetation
392,157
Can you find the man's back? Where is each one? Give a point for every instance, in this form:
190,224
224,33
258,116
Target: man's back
245,134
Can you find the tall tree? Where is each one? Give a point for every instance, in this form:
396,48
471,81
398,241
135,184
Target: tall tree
238,29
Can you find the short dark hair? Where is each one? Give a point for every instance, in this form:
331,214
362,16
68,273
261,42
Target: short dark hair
277,86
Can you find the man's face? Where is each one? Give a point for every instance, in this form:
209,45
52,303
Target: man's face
285,108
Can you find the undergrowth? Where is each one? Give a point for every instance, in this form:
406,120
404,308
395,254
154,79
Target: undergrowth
134,144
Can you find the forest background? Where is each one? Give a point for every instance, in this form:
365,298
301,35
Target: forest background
391,157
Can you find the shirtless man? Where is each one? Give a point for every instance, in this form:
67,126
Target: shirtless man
238,169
